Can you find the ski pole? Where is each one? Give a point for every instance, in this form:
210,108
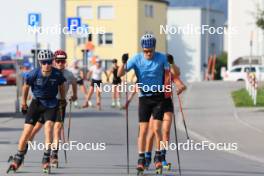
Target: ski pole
63,138
63,134
183,117
175,128
69,124
127,130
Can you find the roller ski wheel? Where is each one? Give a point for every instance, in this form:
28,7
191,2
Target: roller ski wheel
54,161
159,170
140,169
166,165
46,168
158,166
16,163
13,167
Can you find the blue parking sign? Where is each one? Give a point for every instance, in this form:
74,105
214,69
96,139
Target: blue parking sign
74,23
34,19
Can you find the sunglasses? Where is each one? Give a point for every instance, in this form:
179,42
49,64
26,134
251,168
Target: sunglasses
46,62
148,51
60,61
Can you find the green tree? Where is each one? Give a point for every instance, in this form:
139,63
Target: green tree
221,61
260,18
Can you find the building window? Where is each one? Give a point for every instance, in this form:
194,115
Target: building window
213,21
236,70
85,12
90,37
105,12
105,39
81,41
149,10
107,64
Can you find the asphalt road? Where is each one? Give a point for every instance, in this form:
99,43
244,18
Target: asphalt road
210,116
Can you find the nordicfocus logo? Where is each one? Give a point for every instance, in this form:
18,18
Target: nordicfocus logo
191,29
131,88
190,145
69,146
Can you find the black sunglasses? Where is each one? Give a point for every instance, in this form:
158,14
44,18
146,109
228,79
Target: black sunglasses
60,61
49,62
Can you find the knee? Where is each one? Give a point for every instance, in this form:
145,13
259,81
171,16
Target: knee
156,130
57,126
48,126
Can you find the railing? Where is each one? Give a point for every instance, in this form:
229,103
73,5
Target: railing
252,86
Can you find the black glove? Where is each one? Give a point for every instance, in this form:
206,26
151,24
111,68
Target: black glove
125,58
62,103
24,109
170,58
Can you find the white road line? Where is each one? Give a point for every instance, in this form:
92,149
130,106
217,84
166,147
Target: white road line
246,124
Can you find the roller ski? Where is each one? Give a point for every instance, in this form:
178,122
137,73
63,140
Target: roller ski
148,160
141,166
54,161
46,164
16,163
158,165
11,157
166,165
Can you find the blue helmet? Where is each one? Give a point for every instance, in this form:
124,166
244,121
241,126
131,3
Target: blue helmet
27,64
148,41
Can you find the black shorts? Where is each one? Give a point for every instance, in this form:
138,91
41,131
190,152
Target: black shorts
151,105
80,82
60,116
96,83
37,110
168,105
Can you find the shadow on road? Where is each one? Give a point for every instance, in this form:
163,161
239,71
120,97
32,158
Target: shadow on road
104,114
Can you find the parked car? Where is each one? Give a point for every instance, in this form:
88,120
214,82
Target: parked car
239,73
2,80
8,71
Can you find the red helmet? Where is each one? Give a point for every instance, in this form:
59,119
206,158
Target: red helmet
60,54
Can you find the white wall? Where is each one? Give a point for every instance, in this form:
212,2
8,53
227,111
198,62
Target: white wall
14,14
241,17
190,50
185,48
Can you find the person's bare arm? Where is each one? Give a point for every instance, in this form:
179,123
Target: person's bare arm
25,90
121,70
175,70
181,87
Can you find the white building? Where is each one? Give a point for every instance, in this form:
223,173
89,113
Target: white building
242,19
191,46
14,21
